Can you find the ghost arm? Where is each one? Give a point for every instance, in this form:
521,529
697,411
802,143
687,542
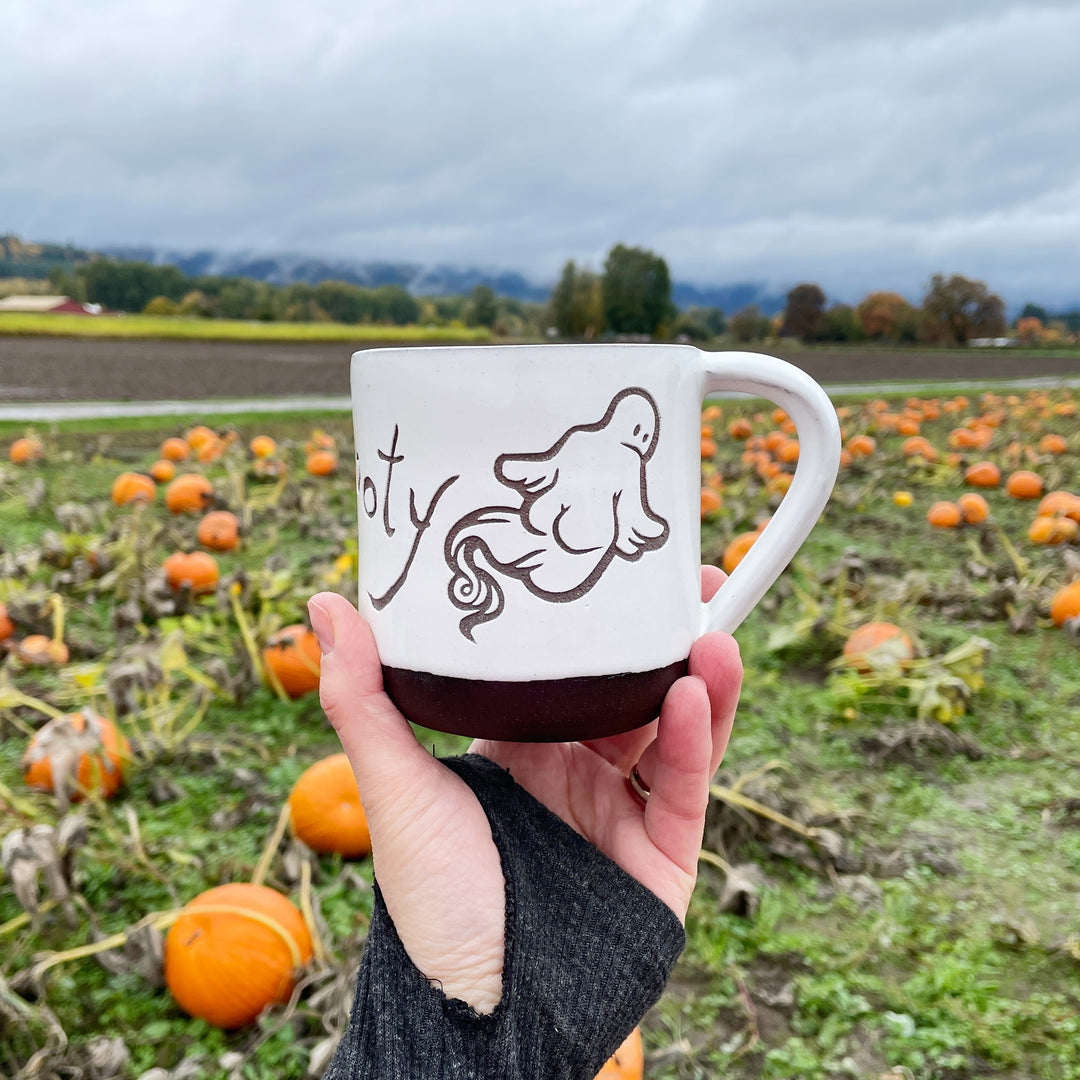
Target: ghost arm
637,528
530,474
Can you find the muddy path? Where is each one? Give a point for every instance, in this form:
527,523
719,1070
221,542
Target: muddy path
70,369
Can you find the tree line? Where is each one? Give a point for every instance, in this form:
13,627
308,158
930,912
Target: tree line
629,298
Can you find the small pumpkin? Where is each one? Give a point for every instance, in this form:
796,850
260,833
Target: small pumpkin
75,754
25,450
7,627
1024,484
878,643
740,429
1066,604
163,470
133,487
196,570
708,448
321,463
984,474
175,449
736,551
233,952
1052,443
711,502
325,809
262,446
219,531
1046,529
210,450
199,435
861,446
189,494
1060,502
40,650
944,515
973,507
902,498
319,440
628,1062
294,658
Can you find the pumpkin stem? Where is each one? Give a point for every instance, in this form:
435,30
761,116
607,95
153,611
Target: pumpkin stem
262,868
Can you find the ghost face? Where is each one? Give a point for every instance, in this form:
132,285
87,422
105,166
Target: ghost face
634,423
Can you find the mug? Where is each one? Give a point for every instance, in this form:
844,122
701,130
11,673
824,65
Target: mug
529,526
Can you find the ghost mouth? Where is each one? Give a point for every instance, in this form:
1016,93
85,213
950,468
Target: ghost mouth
631,446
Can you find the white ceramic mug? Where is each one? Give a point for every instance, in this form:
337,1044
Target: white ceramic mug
529,526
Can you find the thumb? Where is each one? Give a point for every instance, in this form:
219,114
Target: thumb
374,735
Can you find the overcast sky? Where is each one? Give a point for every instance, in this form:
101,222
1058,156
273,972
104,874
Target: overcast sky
861,144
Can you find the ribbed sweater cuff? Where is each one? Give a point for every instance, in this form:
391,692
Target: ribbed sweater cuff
588,951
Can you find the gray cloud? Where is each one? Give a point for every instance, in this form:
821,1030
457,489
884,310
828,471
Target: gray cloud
859,145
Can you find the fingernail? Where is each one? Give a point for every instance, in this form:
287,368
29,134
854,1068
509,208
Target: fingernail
321,624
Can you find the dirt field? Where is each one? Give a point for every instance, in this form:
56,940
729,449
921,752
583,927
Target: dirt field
63,369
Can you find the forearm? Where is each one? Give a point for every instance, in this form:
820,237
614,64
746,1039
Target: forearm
588,951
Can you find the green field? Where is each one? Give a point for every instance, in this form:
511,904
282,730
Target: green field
188,329
906,842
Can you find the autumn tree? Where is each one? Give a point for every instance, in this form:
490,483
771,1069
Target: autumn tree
636,291
576,308
748,324
887,316
956,309
804,315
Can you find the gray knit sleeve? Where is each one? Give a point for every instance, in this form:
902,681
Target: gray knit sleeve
588,951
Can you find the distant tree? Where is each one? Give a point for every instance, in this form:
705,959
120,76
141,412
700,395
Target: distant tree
700,323
956,309
1034,311
237,299
1071,319
804,315
130,286
395,305
748,324
449,308
67,283
161,305
576,307
343,302
636,290
483,307
841,324
887,316
1029,329
198,303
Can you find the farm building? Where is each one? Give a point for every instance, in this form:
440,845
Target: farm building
52,305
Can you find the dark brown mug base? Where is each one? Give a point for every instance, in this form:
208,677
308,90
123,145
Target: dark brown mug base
546,710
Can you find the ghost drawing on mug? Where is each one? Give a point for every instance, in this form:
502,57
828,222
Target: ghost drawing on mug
529,540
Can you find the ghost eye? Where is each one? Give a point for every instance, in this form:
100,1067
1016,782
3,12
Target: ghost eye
637,428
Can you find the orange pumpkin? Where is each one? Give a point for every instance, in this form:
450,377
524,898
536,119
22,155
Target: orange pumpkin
132,487
880,642
919,446
294,657
944,515
736,551
740,429
321,463
163,470
319,441
219,531
262,446
25,450
175,449
708,448
1066,604
628,1062
190,493
1024,484
984,474
973,507
75,754
1052,444
1060,502
711,413
41,650
861,446
233,952
210,450
710,502
196,570
199,436
1052,530
325,810
7,627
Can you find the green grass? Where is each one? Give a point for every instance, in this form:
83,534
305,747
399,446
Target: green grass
187,329
953,959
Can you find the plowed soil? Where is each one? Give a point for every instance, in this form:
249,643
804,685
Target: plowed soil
66,369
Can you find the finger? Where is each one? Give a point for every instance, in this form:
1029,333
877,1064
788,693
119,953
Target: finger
374,734
715,659
675,810
712,577
625,750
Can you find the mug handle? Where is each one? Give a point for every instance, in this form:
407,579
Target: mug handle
819,461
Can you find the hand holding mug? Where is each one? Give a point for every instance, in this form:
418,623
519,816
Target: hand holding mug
436,863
